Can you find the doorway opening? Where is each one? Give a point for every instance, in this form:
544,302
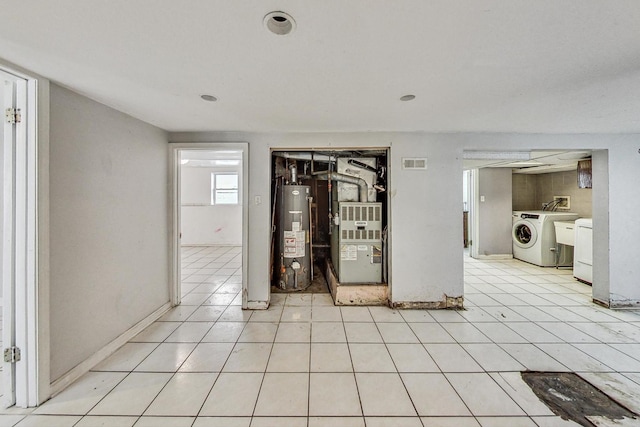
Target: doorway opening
210,220
329,215
526,204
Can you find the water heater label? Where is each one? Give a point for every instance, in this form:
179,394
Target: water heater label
294,244
349,252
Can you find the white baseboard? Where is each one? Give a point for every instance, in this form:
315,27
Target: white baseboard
64,381
495,257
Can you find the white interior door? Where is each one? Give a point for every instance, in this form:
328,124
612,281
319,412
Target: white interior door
18,244
473,213
8,234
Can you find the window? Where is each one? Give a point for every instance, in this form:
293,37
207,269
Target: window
224,188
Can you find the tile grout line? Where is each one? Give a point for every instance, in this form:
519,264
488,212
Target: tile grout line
353,369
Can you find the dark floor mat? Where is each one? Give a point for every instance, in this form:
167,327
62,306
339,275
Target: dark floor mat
572,398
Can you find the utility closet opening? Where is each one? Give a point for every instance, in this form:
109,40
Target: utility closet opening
329,224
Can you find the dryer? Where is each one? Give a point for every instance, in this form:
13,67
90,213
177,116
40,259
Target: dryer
534,238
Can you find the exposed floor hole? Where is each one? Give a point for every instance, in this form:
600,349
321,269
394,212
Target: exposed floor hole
572,398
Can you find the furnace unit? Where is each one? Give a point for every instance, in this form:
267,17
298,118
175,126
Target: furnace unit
356,247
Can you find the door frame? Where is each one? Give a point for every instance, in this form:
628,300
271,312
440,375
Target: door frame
175,150
474,221
21,302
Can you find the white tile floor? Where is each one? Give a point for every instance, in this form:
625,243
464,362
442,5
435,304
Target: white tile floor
307,363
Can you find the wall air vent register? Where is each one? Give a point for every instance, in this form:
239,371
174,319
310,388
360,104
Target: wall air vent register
414,163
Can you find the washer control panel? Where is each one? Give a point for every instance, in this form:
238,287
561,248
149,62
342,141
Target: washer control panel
532,216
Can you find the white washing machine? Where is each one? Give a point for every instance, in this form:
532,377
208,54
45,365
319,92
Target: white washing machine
534,236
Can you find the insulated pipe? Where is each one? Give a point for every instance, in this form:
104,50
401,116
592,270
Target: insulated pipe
310,200
361,183
305,156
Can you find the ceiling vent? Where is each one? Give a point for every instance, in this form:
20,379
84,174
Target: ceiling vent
279,23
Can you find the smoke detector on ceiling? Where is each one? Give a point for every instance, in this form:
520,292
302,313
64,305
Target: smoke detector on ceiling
279,23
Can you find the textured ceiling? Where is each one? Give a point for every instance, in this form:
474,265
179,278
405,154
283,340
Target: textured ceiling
543,66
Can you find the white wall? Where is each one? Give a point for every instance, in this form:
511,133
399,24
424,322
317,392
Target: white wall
624,226
494,213
201,223
109,225
426,238
601,233
426,222
426,259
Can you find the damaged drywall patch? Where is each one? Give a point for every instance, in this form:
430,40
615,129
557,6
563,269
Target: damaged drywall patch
456,303
447,302
625,304
572,398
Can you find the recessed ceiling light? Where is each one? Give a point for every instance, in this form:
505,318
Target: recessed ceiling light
279,23
209,98
407,98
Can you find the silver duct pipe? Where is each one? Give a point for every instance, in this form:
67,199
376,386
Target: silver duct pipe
361,183
305,156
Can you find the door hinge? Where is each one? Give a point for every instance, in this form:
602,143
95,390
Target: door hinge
13,115
12,354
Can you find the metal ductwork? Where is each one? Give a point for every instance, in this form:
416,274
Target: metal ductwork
316,157
361,183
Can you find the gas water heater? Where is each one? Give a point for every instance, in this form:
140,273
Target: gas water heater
293,237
